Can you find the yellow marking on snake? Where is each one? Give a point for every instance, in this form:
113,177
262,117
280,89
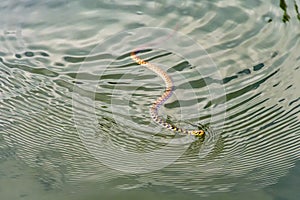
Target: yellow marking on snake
166,95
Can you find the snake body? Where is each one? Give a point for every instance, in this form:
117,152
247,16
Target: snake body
163,98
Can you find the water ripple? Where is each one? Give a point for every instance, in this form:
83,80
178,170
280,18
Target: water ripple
74,106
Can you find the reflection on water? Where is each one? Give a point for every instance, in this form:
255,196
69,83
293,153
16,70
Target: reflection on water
244,90
286,17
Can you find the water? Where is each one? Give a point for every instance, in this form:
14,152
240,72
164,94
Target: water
75,121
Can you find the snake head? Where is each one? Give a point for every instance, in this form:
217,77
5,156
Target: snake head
199,133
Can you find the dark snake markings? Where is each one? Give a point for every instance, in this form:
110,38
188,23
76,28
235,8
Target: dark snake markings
164,97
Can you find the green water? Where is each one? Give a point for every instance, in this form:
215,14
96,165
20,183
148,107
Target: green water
74,107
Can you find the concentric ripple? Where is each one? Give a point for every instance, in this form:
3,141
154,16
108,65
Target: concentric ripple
130,108
75,107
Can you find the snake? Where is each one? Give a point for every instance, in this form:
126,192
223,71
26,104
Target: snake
169,87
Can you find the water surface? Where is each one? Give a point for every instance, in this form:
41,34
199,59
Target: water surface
75,121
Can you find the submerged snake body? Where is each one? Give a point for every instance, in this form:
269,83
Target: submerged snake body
164,97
